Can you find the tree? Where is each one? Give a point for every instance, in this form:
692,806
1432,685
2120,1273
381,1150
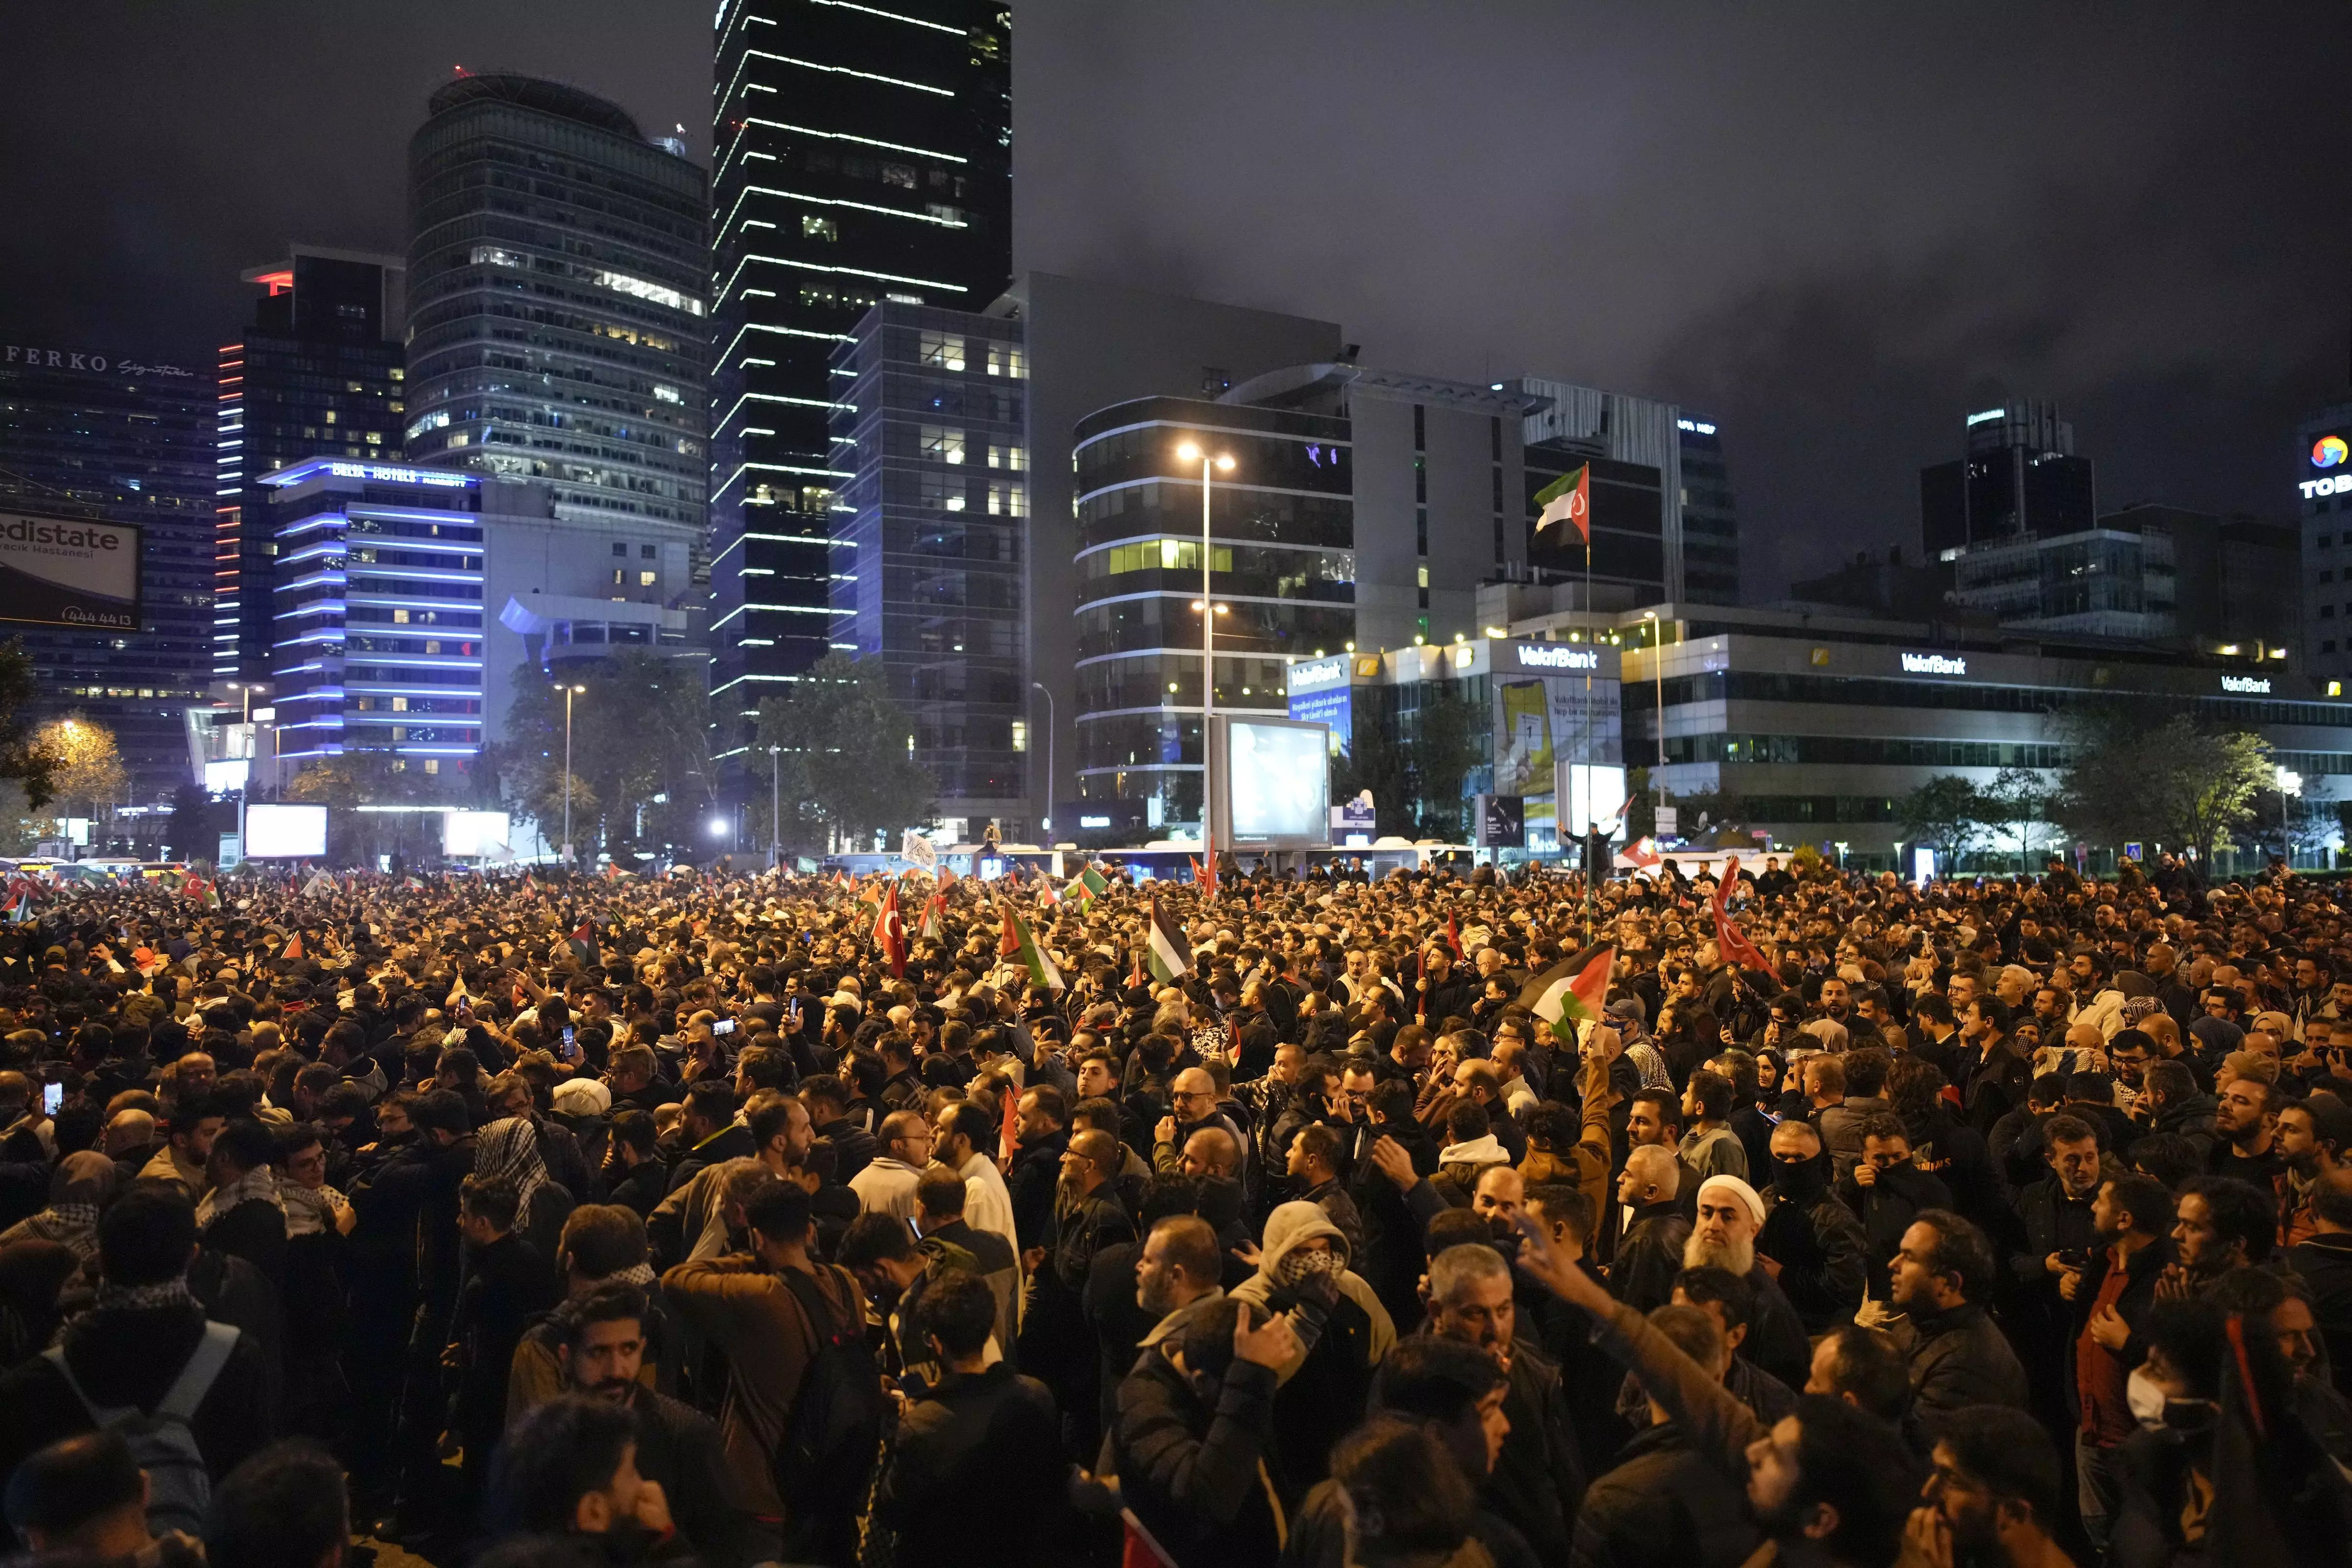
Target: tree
2020,800
1946,812
192,831
848,749
1439,753
2136,777
21,762
641,753
1376,761
85,768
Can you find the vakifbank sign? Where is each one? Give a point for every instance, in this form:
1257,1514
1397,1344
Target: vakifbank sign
1934,664
69,572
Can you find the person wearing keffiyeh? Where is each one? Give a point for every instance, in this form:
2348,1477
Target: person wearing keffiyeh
80,1188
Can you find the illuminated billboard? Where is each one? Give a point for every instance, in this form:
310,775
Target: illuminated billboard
69,572
1274,783
285,832
472,833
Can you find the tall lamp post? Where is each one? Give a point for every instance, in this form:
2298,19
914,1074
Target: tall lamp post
1209,610
775,807
1658,671
569,693
2289,783
1049,761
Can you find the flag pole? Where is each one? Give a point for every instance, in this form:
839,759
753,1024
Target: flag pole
1592,872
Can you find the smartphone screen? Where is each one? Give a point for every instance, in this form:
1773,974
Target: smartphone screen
724,1026
52,1099
567,1037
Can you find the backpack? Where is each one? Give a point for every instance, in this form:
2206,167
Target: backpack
834,1434
179,1488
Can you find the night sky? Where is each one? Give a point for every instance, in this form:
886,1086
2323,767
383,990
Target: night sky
1833,228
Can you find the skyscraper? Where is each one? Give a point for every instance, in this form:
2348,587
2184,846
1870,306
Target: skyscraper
928,536
2019,479
862,154
558,323
317,374
89,434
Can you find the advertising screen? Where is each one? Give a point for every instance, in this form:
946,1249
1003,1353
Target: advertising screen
473,833
284,831
1276,792
69,572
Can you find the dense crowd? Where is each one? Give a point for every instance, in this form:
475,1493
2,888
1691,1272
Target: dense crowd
1442,1220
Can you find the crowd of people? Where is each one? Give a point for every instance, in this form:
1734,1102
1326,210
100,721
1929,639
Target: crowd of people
1446,1220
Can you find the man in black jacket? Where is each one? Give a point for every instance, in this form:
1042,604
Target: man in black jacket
1941,1279
507,1282
1887,1192
983,1445
1193,1437
827,1098
1041,1135
2110,1295
712,1133
1813,1240
2325,1261
602,1349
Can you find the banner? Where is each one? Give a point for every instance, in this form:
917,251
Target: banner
69,572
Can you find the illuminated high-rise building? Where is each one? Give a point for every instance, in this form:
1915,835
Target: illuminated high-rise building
862,155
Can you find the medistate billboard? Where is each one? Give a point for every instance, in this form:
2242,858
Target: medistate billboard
69,572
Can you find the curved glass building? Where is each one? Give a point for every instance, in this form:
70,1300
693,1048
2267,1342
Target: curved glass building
1282,567
558,311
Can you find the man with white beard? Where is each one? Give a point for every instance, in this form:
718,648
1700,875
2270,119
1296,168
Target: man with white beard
1723,1236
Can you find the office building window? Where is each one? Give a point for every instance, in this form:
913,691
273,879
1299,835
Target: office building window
942,350
620,549
814,227
1007,501
1494,439
1421,480
942,445
1421,533
645,552
646,578
620,575
1420,428
1005,359
1007,458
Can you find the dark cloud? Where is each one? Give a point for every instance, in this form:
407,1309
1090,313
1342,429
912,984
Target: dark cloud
1833,227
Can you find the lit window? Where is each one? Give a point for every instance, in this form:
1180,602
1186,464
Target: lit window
1007,501
432,765
943,350
645,579
900,175
640,288
1007,360
1009,457
814,227
621,576
944,213
400,617
668,394
1423,572
399,704
491,255
1020,736
942,445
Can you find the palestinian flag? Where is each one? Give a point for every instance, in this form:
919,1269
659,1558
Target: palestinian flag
890,932
932,909
1046,896
1020,945
1573,990
947,879
1170,953
1088,885
1568,499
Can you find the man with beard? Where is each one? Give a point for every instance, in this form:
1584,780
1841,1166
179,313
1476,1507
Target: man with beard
602,1350
1941,1278
2219,1225
1055,1347
1539,1479
2245,1122
1650,1252
1992,1495
2314,1137
1040,1134
1828,1485
1730,1213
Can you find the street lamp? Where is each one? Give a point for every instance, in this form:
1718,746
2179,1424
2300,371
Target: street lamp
1048,819
1209,609
569,693
776,808
2289,783
1658,671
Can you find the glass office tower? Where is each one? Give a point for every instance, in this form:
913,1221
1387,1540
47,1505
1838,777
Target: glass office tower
558,321
863,155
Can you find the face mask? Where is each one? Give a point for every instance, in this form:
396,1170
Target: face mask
2145,1398
1801,1182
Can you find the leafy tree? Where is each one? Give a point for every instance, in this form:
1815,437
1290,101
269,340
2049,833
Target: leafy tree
1376,761
2020,800
193,832
641,753
2170,780
847,752
22,763
1946,812
1439,753
85,767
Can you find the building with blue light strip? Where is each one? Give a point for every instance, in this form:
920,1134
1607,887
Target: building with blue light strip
379,610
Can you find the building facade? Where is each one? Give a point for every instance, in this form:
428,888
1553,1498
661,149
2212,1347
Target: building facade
558,312
1814,728
1361,509
927,537
1665,522
317,374
862,156
379,613
1090,345
2323,482
2019,478
128,438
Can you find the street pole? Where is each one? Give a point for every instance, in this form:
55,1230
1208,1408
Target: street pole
775,807
1208,649
569,692
1049,760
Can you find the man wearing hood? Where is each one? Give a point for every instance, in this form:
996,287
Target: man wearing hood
1341,1329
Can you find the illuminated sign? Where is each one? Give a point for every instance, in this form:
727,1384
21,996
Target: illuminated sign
2339,485
1318,674
1989,414
2257,684
1696,426
1094,822
1555,657
69,360
70,571
2329,452
1933,665
389,474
